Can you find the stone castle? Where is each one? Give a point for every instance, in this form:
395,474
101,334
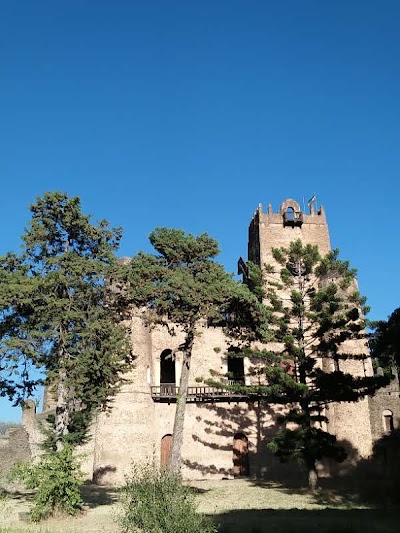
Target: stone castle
225,433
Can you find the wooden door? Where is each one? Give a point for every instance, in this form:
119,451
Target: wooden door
240,455
166,443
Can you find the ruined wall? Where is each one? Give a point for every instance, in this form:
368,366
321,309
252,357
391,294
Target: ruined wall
14,447
385,399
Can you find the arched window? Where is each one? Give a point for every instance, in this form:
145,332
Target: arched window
289,215
167,372
387,417
240,455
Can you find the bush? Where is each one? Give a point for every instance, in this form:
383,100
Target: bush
156,501
57,478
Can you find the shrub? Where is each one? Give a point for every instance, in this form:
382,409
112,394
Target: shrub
57,478
156,501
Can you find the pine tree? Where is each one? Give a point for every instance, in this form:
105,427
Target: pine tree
181,287
66,319
17,381
317,314
385,342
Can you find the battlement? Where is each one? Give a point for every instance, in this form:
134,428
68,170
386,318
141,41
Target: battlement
271,229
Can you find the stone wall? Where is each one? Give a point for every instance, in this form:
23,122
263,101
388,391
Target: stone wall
14,447
385,399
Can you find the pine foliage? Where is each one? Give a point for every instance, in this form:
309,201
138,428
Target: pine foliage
316,313
61,315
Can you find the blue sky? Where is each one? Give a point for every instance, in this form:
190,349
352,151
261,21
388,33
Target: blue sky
189,113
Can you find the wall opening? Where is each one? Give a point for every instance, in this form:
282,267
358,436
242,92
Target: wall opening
167,372
166,443
289,215
240,455
387,417
235,370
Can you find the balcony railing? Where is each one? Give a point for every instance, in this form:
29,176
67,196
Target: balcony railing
168,392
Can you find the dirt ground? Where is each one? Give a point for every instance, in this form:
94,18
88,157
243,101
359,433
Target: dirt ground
236,505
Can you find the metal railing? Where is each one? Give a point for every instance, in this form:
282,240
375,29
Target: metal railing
169,392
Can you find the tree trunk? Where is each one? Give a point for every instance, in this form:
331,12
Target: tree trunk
177,437
312,478
62,410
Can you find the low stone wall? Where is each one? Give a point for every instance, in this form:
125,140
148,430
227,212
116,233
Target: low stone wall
14,447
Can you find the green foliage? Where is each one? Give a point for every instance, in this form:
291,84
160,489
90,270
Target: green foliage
61,314
316,312
77,430
57,478
16,383
181,288
156,501
385,341
182,283
306,444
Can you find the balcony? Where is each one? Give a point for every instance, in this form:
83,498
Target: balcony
167,393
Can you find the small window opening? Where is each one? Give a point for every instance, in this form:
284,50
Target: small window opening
235,370
388,421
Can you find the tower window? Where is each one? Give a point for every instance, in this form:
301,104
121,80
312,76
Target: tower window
289,215
292,217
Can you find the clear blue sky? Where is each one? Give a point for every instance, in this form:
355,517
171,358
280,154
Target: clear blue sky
189,113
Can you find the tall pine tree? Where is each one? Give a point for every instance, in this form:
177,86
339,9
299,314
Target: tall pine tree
66,319
318,320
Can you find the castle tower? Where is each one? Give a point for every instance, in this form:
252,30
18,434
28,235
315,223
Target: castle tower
350,422
276,230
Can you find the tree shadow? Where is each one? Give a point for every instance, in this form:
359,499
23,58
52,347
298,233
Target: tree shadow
307,521
257,420
98,495
374,481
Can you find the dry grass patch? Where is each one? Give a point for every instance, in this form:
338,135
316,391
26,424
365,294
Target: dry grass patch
238,506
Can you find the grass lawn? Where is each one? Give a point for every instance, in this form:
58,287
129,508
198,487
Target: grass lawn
236,505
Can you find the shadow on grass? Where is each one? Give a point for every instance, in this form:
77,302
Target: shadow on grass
308,521
97,495
198,490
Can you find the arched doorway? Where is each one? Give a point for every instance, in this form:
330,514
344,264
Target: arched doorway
240,455
166,443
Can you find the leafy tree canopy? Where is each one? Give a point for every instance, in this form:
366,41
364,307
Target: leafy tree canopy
59,312
181,287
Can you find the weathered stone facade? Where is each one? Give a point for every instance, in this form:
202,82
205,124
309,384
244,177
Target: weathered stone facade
137,427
